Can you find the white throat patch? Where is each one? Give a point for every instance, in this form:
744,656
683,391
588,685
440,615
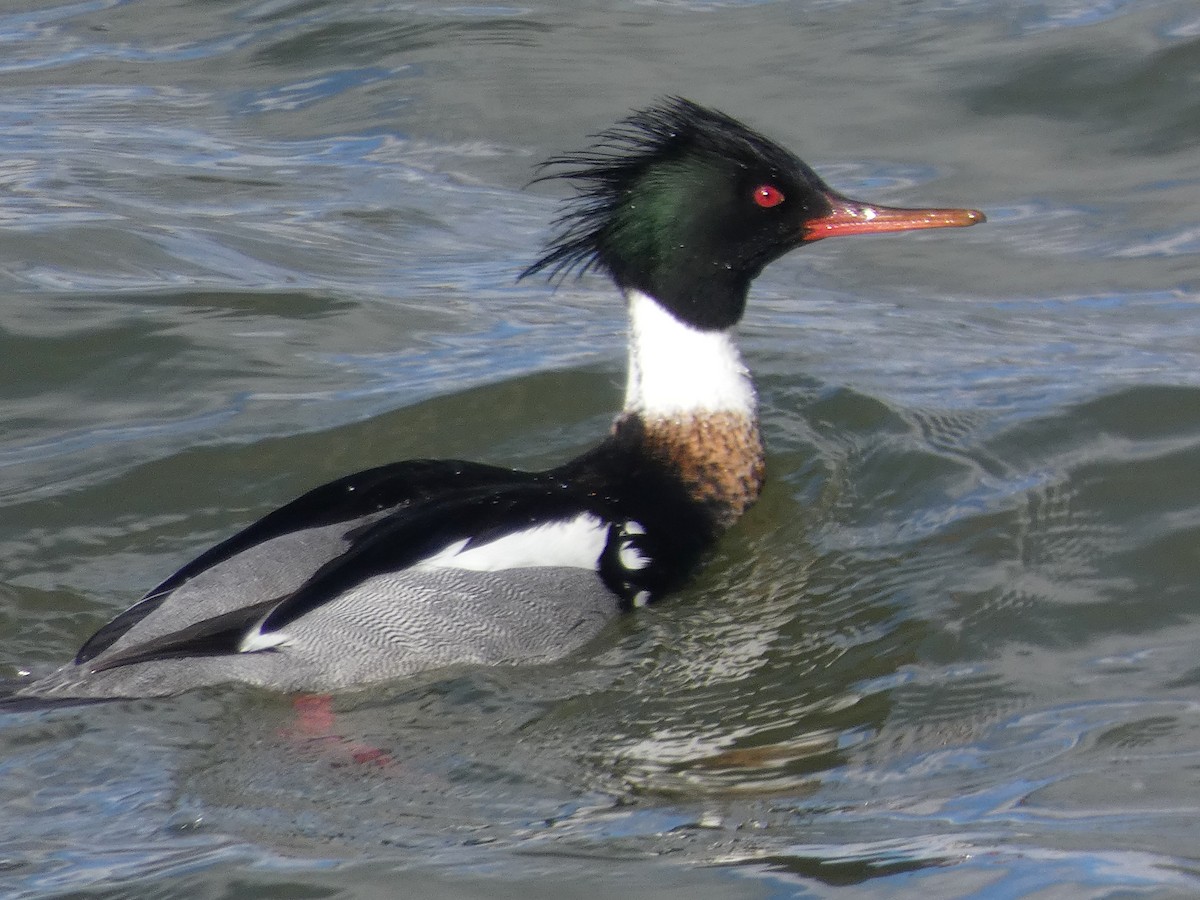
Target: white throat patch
677,370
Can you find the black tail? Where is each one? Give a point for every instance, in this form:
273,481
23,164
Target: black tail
12,702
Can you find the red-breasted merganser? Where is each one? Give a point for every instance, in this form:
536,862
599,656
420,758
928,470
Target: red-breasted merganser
428,563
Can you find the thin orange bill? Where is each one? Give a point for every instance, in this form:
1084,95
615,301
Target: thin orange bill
847,217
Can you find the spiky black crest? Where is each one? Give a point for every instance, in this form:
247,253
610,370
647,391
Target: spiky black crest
664,204
661,134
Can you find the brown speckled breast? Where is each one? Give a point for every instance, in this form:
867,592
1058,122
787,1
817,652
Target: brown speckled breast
718,456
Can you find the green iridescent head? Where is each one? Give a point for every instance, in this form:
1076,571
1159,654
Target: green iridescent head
685,204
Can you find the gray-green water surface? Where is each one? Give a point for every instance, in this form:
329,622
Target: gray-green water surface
247,246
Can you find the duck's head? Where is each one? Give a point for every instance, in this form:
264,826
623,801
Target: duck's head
687,205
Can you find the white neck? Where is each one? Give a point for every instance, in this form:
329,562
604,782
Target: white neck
676,370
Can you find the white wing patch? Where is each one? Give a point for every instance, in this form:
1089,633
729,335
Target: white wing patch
574,543
256,640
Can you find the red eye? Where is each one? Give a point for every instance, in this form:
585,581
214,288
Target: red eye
767,195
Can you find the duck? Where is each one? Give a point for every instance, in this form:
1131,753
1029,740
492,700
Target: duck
430,564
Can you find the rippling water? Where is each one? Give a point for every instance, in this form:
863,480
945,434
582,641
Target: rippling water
246,247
